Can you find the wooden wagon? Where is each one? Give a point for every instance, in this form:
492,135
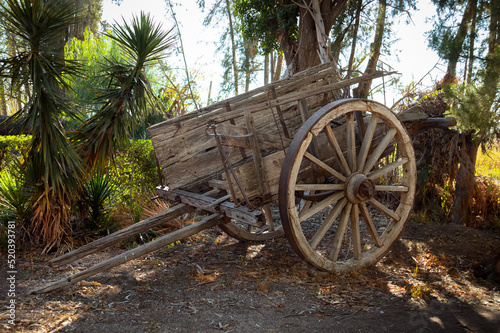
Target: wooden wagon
336,176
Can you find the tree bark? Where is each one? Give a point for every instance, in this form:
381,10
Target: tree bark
471,46
308,45
465,184
277,69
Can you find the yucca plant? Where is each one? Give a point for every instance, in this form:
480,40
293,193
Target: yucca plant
55,167
128,91
98,201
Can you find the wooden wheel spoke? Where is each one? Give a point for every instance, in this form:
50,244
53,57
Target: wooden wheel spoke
369,224
336,147
391,188
388,168
367,140
339,235
374,157
355,233
351,141
325,166
320,233
319,187
307,213
377,204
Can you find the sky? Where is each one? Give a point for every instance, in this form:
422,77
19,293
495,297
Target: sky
414,60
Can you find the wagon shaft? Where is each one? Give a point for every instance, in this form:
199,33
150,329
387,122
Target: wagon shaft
158,243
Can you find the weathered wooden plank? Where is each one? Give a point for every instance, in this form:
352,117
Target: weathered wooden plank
207,222
185,151
189,170
199,167
185,145
120,235
294,96
299,80
271,170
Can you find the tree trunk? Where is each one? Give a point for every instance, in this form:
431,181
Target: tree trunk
465,181
233,47
277,71
364,87
465,184
308,44
471,46
3,100
457,45
266,69
247,64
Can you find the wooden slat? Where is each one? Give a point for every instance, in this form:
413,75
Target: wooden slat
297,81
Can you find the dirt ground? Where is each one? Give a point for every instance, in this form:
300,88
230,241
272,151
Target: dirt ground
213,283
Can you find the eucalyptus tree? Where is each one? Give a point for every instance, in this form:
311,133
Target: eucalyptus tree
50,162
318,31
239,53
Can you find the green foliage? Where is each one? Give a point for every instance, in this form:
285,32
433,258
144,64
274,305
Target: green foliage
473,110
11,148
90,52
267,21
102,191
488,163
137,161
14,200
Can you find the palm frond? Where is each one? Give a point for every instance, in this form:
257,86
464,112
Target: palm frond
143,40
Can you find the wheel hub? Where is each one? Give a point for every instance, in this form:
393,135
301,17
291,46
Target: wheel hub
358,188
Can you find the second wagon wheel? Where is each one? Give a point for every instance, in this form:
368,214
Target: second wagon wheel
244,232
346,191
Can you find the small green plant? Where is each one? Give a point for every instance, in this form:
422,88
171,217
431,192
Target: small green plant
14,203
99,200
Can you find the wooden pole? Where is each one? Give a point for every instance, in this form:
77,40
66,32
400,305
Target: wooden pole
120,235
158,243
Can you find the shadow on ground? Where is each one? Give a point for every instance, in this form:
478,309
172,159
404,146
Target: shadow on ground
214,283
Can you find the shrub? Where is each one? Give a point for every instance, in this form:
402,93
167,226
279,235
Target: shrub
11,148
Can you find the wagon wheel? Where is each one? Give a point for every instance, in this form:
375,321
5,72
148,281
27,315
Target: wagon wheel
326,191
244,232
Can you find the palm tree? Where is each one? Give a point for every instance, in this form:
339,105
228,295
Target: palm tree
40,67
